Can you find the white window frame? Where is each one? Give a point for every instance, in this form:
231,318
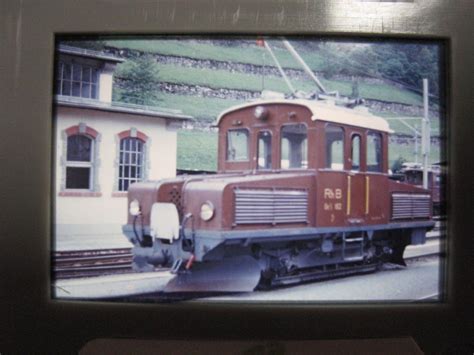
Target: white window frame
94,164
359,157
82,164
331,150
379,154
142,166
265,133
94,79
303,145
229,144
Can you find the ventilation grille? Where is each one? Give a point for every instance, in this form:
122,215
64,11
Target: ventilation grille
410,206
175,197
259,206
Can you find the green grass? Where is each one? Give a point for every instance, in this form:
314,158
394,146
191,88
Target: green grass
197,150
216,79
413,121
407,152
208,108
383,92
248,53
201,108
389,93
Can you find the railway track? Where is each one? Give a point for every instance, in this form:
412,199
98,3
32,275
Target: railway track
114,282
90,263
100,262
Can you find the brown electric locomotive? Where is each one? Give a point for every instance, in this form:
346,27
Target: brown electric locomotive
302,192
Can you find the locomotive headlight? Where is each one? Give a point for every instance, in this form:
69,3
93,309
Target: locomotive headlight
261,113
134,208
207,211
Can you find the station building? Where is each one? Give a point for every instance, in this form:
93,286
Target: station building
101,147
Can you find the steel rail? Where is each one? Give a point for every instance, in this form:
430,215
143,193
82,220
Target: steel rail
91,263
84,272
107,282
89,252
92,259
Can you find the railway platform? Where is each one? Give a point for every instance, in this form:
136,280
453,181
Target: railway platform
90,242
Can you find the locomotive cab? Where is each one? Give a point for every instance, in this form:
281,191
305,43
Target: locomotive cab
302,192
346,149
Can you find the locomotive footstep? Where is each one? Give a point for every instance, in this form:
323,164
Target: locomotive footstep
237,274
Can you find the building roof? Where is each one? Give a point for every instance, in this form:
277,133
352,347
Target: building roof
88,53
325,111
153,111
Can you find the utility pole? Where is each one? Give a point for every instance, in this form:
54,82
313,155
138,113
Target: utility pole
425,134
416,144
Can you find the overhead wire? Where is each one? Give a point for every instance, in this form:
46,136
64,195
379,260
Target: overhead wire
364,72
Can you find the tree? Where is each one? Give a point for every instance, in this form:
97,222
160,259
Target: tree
332,63
397,165
355,89
139,81
409,63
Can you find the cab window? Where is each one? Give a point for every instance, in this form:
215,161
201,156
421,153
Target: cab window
374,152
237,145
294,147
334,147
437,180
355,153
264,149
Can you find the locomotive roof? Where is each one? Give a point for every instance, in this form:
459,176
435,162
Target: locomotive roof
324,111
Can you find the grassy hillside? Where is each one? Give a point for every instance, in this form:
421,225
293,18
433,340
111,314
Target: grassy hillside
247,51
399,127
406,152
384,92
217,79
197,149
201,108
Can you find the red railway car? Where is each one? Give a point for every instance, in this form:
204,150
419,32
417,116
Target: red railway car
413,174
302,192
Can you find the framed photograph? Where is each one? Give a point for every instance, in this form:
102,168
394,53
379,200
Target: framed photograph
236,171
225,168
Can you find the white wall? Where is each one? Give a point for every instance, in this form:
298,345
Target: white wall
105,86
104,215
106,82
